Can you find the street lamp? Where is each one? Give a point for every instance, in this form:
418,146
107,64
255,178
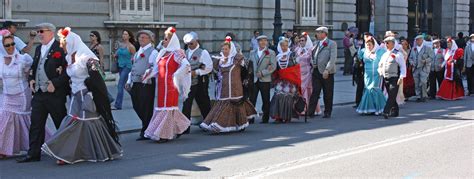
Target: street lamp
424,24
417,27
277,22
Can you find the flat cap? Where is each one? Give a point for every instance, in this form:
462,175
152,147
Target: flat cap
47,25
147,32
262,37
322,29
190,37
390,38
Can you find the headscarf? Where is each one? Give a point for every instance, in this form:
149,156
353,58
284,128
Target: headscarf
280,51
309,43
367,52
74,44
232,54
452,51
3,33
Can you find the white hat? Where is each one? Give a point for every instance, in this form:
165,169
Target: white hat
390,38
147,32
322,29
471,36
262,37
47,25
190,37
436,41
389,33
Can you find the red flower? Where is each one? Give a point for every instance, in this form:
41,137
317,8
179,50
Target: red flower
304,33
195,58
393,56
439,51
228,39
142,55
172,30
267,52
57,55
325,44
65,31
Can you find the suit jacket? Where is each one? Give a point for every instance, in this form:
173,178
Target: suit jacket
468,55
325,55
54,60
421,60
438,59
260,65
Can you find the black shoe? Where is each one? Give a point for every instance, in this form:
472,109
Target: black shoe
252,120
385,115
187,131
327,116
28,159
394,115
264,122
142,138
162,141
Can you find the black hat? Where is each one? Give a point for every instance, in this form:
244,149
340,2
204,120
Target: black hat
7,24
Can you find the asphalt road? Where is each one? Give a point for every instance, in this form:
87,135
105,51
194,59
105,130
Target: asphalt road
429,140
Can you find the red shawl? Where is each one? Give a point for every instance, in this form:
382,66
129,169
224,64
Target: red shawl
291,74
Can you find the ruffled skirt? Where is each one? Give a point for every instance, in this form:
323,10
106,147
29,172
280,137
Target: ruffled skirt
228,116
167,124
373,101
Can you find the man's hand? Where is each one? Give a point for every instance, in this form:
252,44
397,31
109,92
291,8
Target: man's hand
270,68
259,74
127,87
51,88
326,74
32,85
193,74
400,81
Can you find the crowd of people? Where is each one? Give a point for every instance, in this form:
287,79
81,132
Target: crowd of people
387,72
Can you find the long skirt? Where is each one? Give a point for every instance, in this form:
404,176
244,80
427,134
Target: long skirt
228,116
85,138
167,124
15,123
450,90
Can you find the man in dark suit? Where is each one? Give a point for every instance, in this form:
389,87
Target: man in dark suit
50,85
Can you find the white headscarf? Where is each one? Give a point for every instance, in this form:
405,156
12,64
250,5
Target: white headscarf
452,51
74,44
367,52
309,43
280,51
173,44
232,54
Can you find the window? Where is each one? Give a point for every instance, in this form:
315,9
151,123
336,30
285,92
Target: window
311,12
136,7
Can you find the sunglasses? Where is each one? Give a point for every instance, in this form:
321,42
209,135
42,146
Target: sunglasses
190,43
92,35
9,45
42,31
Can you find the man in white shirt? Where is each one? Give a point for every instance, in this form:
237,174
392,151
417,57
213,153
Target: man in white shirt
201,66
19,44
392,68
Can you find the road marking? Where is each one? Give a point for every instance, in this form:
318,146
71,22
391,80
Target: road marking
316,159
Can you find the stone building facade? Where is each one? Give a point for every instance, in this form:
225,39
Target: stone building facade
212,19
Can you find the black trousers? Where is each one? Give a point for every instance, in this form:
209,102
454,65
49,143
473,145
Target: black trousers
360,89
392,89
143,100
264,89
327,85
470,79
44,104
348,61
200,92
433,78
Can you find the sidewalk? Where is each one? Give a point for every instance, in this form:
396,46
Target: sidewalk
128,121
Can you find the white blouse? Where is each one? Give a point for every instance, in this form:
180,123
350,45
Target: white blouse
78,73
14,75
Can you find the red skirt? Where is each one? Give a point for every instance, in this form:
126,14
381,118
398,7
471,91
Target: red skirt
409,84
450,90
